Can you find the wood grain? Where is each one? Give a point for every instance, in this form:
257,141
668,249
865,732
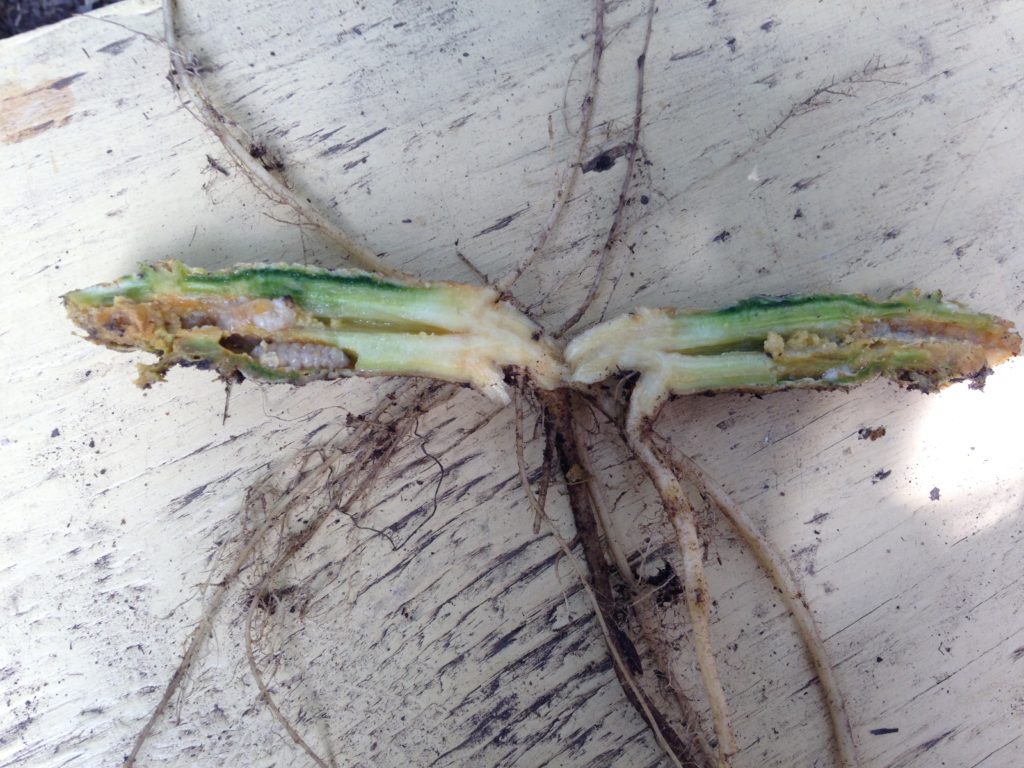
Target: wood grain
784,148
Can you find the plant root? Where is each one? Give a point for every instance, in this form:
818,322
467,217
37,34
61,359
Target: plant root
680,514
681,751
370,445
659,648
373,455
775,566
767,556
610,539
249,155
605,253
572,173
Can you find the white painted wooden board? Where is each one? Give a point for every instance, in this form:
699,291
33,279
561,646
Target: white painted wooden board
786,148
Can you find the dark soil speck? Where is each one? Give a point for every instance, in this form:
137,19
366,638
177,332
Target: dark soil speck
871,433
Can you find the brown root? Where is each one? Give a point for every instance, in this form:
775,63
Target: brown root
572,173
353,468
251,156
605,253
650,635
681,751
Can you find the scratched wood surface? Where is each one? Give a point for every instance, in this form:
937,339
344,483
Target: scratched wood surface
785,148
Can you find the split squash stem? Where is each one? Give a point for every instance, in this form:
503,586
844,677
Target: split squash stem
297,324
825,342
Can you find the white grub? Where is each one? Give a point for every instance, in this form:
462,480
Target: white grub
301,357
240,314
774,344
279,315
833,374
267,314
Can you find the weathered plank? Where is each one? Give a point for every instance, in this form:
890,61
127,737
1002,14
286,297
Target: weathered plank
785,148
